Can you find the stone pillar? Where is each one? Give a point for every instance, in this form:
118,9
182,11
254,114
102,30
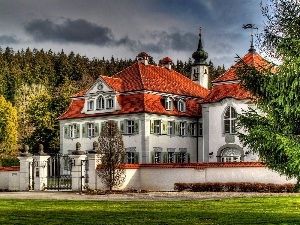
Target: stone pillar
93,162
77,176
25,170
40,169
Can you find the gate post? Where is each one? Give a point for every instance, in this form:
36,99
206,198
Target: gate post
93,162
40,169
25,169
77,176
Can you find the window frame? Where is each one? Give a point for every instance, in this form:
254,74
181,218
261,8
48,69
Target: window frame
181,105
182,129
157,127
72,130
90,105
171,128
130,157
193,129
90,130
171,157
200,129
109,103
229,118
157,157
168,103
130,126
100,103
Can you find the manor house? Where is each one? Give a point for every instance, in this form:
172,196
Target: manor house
164,117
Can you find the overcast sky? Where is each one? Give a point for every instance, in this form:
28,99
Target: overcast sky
124,28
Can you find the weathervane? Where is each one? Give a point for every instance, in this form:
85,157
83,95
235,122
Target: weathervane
251,26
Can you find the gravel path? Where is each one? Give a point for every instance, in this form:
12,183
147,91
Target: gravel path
150,196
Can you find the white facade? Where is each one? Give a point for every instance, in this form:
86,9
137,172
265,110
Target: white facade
146,146
216,139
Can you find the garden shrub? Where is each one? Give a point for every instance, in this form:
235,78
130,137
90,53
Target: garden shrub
235,187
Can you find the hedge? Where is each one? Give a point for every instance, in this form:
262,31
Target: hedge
235,187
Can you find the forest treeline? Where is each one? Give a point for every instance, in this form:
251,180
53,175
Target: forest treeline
38,85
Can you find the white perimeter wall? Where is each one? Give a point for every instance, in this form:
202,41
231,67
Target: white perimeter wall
163,179
9,180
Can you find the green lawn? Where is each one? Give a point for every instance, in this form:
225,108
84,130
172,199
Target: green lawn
265,210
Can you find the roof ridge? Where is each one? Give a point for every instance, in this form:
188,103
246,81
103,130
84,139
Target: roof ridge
140,74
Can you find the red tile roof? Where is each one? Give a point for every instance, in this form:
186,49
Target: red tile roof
140,77
233,89
134,103
220,92
156,78
251,59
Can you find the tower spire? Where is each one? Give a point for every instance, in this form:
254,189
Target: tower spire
252,26
200,47
200,55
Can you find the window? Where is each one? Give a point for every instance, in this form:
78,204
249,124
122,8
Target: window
231,155
193,129
90,105
129,126
90,130
157,157
170,127
181,105
72,131
229,120
171,157
156,126
100,103
168,103
109,103
130,157
200,130
182,128
181,157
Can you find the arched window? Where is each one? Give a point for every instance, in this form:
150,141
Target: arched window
181,105
230,155
229,120
100,103
168,103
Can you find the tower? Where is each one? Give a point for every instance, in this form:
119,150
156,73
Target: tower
200,70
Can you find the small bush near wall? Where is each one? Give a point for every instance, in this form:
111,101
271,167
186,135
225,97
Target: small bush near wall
235,187
9,162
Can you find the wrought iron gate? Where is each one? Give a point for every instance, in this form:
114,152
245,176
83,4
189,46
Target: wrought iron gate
59,173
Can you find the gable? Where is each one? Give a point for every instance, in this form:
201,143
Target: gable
100,86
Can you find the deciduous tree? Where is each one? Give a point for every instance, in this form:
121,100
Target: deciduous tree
111,168
8,128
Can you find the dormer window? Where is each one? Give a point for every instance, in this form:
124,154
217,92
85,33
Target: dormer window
109,103
90,105
181,105
100,103
168,103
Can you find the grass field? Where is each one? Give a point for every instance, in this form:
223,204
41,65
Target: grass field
264,210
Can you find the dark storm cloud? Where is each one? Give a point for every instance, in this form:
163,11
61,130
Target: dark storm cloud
85,32
80,31
174,40
5,39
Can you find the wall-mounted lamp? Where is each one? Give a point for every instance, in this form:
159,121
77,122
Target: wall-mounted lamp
210,154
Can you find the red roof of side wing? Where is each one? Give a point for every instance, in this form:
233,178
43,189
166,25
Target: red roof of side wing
251,59
227,85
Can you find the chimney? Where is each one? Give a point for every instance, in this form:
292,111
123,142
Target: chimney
166,62
143,57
